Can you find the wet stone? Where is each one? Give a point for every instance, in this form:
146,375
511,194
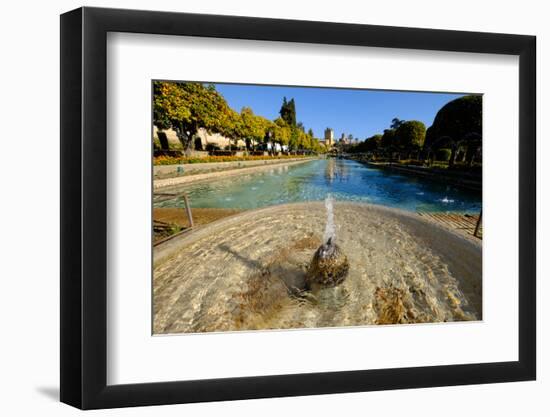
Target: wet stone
329,267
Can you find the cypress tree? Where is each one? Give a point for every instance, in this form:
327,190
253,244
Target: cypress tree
288,112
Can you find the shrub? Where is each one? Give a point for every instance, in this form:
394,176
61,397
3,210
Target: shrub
443,155
456,119
212,147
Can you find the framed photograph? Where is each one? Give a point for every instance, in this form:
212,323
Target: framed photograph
256,208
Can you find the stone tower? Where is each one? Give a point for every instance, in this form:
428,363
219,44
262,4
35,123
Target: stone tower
329,137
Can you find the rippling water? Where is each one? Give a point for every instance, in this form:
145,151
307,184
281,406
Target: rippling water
344,179
242,273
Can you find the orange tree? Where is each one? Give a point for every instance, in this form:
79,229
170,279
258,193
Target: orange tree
281,132
410,135
253,127
187,107
231,125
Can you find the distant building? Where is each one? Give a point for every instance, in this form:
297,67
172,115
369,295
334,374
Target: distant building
344,140
347,140
329,138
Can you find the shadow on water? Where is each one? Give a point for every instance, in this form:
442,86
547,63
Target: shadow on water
292,275
248,262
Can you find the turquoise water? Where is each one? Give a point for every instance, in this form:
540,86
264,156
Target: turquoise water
313,181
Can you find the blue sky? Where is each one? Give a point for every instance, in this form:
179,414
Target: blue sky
361,113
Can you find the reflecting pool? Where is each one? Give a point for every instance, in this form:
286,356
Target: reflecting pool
345,180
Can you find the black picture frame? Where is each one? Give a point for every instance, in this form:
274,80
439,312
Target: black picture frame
84,207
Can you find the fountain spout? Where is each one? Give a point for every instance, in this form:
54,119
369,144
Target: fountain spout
329,266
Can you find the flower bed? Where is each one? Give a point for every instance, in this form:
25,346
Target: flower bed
171,160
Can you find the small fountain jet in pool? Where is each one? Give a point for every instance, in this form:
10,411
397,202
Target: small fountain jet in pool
329,266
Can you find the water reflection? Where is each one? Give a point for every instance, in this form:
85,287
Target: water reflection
336,170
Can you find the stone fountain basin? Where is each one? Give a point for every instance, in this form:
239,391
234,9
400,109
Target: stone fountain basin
246,272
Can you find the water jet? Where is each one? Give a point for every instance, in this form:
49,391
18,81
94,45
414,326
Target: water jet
329,266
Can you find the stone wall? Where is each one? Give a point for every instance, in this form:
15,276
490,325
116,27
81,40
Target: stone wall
205,137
